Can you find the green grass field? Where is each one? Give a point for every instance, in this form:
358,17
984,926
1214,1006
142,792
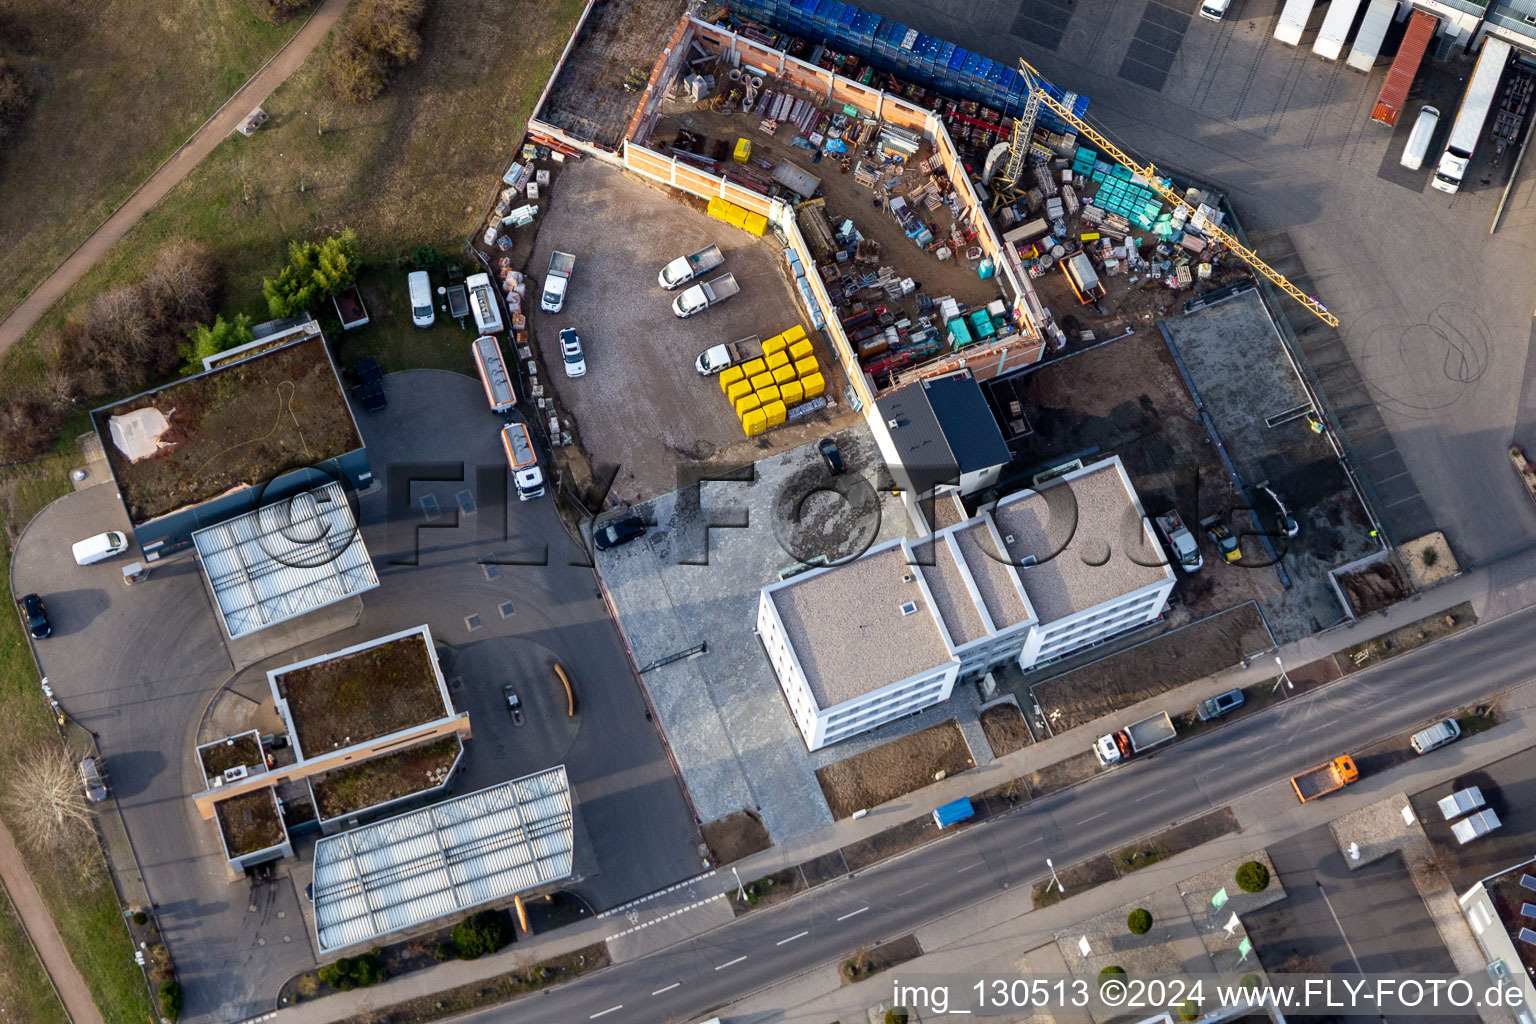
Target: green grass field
415,167
118,86
26,995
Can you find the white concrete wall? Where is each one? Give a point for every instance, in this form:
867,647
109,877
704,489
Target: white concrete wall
884,705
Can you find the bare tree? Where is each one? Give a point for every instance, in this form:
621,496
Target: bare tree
47,803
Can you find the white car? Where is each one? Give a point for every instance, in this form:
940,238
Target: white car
100,547
420,287
571,354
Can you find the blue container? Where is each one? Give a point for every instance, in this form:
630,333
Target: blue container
865,24
953,813
957,59
946,51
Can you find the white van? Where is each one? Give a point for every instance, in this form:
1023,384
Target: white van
1436,736
1214,10
420,286
100,547
1418,139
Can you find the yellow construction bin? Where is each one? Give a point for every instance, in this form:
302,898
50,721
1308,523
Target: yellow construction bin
792,393
753,367
737,389
754,224
777,343
734,214
794,334
775,412
799,350
813,386
754,422
728,376
783,373
762,380
718,208
805,367
747,402
767,395
743,151
777,359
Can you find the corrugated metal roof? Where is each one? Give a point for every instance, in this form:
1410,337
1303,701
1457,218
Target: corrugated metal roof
285,559
449,857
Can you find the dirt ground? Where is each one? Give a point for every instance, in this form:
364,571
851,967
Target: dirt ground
769,890
888,843
1126,398
1374,587
735,836
1062,774
1406,638
894,769
1175,840
1155,667
1005,729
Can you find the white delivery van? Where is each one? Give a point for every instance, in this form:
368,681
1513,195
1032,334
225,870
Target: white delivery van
1418,139
100,547
420,286
1215,10
482,301
1436,736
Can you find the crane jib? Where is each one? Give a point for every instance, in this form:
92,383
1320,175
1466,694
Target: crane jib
1035,83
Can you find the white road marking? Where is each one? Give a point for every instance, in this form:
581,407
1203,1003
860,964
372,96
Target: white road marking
601,1013
792,938
856,913
913,889
729,963
669,988
1085,821
973,864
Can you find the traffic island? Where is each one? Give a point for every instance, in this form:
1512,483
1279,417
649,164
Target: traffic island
867,963
1214,900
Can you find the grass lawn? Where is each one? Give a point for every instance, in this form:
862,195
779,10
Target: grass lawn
417,166
83,903
26,995
117,87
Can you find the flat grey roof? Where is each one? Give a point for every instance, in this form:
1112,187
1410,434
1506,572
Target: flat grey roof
847,628
946,581
454,855
284,560
1100,541
994,577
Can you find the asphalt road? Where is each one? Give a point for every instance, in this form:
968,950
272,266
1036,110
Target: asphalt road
138,666
1428,376
1006,854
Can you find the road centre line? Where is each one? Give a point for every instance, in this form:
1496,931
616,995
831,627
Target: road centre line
603,1013
669,988
729,963
792,938
854,914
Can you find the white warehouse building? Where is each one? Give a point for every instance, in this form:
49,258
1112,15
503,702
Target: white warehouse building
1031,580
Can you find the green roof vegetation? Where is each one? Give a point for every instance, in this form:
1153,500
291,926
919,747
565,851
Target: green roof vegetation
381,779
361,696
250,822
234,427
231,752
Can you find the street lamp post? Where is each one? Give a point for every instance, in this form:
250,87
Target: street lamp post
741,890
1054,879
1284,678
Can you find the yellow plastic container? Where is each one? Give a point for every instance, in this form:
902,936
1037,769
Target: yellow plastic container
729,376
777,359
800,349
754,422
754,224
737,389
805,367
783,373
753,367
762,380
735,215
718,208
813,385
746,403
743,151
792,393
794,334
775,413
774,344
768,394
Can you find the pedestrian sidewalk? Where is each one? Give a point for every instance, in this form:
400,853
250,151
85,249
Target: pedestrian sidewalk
993,938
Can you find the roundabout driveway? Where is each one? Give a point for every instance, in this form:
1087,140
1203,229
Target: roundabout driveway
506,593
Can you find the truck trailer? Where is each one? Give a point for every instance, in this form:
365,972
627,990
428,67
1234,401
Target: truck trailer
1134,739
1293,21
1468,127
1325,778
1335,29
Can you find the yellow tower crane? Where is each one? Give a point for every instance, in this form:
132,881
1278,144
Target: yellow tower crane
1149,172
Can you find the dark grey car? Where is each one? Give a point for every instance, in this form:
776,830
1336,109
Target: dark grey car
1220,704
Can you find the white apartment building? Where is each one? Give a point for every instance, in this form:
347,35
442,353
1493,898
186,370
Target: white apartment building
1039,576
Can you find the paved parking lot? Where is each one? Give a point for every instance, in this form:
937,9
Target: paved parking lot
642,405
1509,787
687,584
1428,376
139,665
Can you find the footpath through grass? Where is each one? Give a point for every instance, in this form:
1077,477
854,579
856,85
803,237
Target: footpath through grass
118,86
416,166
26,994
82,900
